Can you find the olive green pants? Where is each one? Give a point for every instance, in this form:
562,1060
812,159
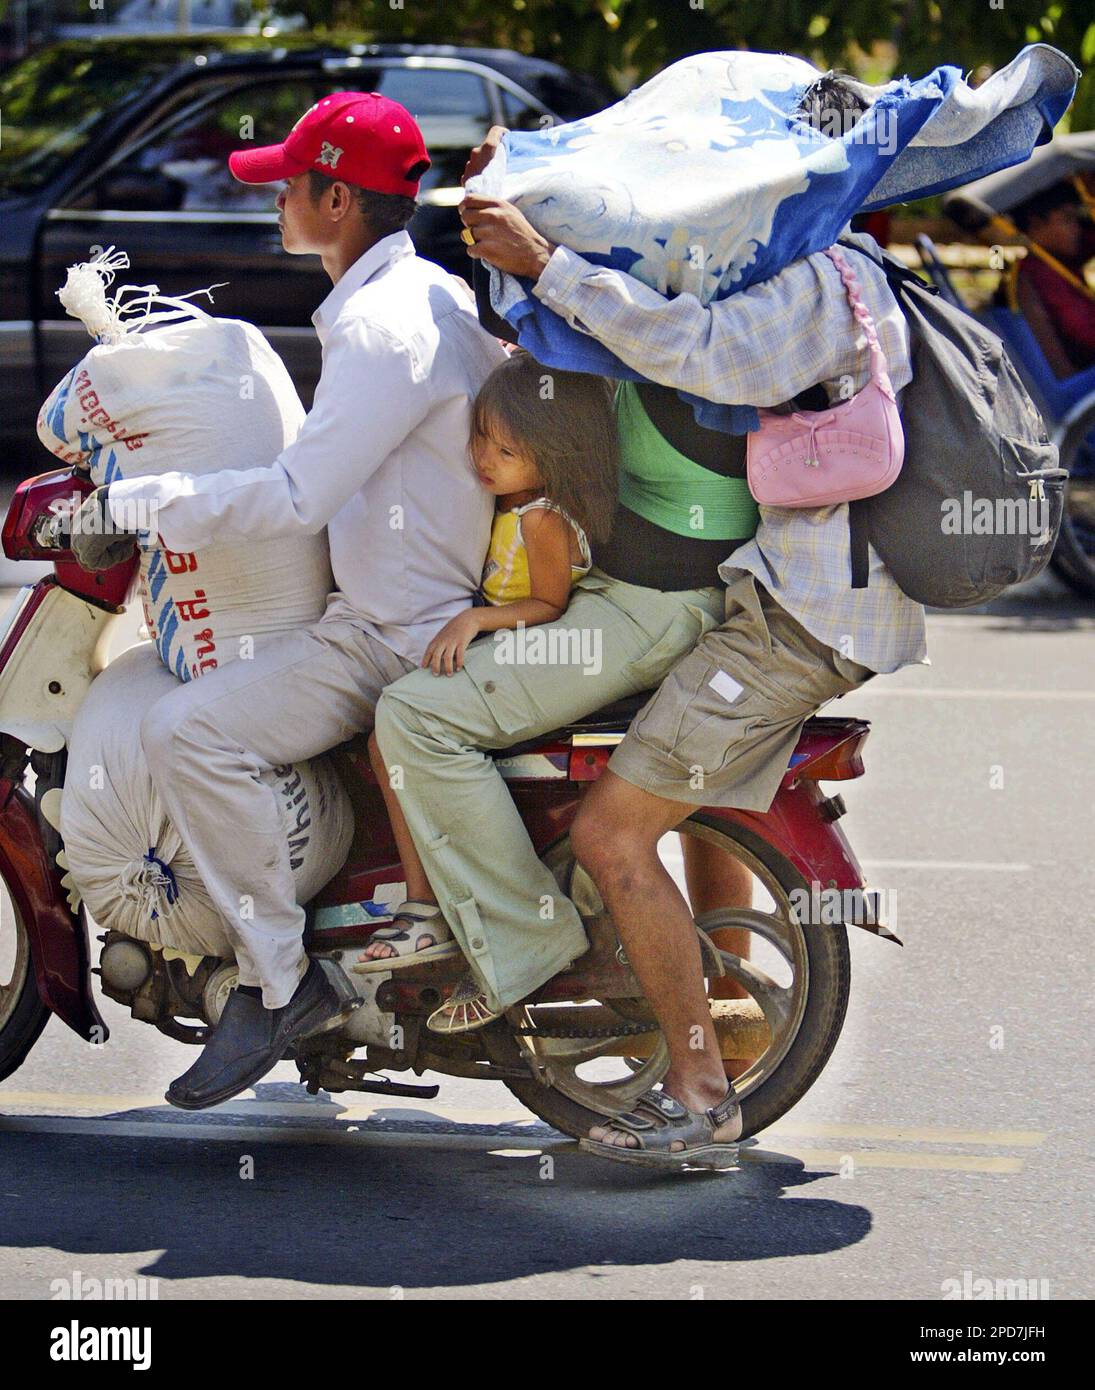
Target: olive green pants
435,732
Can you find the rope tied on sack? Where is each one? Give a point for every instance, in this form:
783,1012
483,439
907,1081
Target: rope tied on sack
109,318
150,882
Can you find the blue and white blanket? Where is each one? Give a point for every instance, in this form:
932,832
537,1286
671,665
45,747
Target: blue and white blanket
704,181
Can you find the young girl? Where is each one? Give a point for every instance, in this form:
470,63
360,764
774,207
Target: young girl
544,442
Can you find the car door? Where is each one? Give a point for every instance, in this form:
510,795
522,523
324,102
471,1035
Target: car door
169,201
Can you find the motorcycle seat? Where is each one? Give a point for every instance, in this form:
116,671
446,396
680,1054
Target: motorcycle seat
609,718
618,714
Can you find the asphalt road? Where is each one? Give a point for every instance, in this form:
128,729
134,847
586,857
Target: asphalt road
948,1139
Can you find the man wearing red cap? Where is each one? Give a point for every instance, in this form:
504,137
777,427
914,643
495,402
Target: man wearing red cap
381,461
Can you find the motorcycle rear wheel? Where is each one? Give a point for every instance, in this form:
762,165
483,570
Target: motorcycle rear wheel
804,1018
22,1013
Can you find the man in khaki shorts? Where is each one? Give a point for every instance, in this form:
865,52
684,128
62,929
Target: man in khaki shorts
727,718
718,732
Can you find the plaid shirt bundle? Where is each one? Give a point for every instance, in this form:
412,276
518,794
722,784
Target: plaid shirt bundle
761,347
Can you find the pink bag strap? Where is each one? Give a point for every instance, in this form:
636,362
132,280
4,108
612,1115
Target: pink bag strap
879,367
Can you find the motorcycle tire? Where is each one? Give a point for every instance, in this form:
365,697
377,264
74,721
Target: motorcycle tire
22,1015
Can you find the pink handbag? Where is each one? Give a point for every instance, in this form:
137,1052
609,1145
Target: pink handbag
817,458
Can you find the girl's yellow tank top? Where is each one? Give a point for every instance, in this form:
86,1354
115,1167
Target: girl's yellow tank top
506,573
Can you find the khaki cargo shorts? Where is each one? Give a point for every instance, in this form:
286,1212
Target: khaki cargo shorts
721,727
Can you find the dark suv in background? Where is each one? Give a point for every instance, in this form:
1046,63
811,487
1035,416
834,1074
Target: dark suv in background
124,142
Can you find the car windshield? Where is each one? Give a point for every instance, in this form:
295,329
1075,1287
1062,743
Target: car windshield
51,101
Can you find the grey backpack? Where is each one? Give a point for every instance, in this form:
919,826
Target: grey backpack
977,505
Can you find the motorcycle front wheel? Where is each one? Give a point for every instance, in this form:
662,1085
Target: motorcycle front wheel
796,978
22,1013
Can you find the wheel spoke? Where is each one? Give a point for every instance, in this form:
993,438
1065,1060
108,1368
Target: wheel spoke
560,1059
772,927
776,1001
561,1062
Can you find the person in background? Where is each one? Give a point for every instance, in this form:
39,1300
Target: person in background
1054,299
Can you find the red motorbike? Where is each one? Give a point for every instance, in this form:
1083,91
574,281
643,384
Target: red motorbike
583,1046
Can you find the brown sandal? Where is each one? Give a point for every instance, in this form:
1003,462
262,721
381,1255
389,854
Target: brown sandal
658,1121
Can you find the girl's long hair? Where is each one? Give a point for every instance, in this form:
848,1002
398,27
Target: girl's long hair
565,422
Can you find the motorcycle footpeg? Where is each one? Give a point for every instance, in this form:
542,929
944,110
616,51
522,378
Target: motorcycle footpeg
348,997
338,980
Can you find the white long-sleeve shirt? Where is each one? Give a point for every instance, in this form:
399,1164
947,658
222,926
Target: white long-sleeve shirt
381,460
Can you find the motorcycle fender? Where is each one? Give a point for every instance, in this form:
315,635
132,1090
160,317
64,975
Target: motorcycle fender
818,848
58,938
50,653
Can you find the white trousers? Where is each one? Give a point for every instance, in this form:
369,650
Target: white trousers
207,744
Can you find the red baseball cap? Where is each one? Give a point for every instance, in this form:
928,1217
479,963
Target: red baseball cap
361,137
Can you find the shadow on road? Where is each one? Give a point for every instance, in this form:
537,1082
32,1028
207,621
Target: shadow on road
388,1215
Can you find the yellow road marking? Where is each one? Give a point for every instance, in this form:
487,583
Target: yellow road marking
317,1110
1015,1138
879,1158
345,1111
78,1100
510,1145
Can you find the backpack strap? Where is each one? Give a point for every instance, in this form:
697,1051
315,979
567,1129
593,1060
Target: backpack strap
857,545
858,528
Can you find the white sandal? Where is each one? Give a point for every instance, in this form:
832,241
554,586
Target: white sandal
404,941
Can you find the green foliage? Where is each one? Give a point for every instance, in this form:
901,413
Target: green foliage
626,41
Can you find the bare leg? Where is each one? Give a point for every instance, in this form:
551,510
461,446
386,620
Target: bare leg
615,838
418,885
715,879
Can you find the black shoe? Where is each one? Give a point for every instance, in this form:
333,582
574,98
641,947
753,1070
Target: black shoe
250,1040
